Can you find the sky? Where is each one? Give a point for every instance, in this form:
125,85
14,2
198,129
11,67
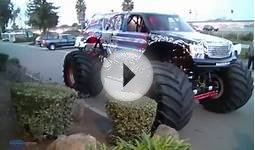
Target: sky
201,9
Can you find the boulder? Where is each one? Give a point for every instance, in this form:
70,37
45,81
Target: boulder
165,131
74,142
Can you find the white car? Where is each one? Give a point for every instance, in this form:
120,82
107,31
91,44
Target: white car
80,43
237,49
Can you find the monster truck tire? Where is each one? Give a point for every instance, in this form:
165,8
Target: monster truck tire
85,71
238,87
173,93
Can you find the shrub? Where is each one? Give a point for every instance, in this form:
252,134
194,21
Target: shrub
131,119
14,61
43,109
145,142
73,32
26,39
244,53
246,37
3,60
231,36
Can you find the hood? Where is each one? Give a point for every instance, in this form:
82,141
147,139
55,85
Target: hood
193,37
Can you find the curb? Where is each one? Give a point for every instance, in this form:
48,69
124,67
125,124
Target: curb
94,109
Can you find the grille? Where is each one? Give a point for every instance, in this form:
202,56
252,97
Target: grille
218,51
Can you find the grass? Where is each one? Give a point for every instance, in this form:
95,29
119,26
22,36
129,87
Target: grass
244,53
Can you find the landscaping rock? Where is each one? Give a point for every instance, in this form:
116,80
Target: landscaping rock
74,142
165,131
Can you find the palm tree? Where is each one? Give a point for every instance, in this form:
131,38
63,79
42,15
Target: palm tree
127,5
80,10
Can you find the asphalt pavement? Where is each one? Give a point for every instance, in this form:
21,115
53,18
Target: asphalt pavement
205,131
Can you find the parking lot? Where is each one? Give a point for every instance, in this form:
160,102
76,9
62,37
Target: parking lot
206,130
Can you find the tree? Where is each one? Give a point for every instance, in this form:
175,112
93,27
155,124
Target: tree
42,14
6,9
15,26
80,10
232,11
127,5
15,15
75,25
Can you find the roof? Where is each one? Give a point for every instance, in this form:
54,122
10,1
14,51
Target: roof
146,13
131,12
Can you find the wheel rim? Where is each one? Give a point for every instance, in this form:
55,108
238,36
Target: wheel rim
52,47
218,82
70,76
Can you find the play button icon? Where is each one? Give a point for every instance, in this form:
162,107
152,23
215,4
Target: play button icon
126,75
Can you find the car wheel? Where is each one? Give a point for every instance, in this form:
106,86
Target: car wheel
236,86
52,47
173,92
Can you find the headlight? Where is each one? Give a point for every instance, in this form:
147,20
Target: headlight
197,51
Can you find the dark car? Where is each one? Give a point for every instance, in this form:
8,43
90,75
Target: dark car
57,40
210,28
187,65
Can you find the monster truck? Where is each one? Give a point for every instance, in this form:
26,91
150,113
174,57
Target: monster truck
187,65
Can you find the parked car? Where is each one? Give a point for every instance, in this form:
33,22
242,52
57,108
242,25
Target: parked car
237,49
96,25
38,41
210,28
187,65
58,40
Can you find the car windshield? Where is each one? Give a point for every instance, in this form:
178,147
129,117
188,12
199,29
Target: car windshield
168,23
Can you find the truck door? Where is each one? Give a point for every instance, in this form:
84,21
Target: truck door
70,40
135,34
110,35
64,40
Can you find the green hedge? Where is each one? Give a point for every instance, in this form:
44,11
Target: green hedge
14,61
43,109
131,119
237,37
73,32
21,40
3,60
244,53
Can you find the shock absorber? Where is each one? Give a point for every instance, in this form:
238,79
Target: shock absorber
210,87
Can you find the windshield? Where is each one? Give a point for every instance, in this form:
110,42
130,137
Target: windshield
168,23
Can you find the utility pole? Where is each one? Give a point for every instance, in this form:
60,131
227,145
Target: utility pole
190,14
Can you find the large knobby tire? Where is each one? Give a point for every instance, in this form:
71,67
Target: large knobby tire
237,89
173,93
85,71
